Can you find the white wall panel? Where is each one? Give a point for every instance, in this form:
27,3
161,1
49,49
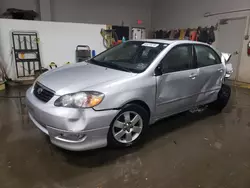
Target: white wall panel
58,40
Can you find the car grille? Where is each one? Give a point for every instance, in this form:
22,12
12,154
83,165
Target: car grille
43,93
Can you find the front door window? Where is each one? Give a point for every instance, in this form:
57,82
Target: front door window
178,59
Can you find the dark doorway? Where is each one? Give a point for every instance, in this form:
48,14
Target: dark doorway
121,31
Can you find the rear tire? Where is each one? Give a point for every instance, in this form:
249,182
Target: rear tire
125,132
222,100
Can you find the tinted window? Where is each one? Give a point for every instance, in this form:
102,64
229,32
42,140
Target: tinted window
178,59
206,56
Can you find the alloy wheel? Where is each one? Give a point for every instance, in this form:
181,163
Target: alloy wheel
127,127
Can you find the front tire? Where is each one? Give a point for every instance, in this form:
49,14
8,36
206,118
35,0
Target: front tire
128,127
222,100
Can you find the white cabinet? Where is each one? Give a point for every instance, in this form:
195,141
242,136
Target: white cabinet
138,33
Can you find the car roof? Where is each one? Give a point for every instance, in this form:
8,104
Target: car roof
172,41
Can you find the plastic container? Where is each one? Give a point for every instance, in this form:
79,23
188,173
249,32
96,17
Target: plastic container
93,53
123,39
2,86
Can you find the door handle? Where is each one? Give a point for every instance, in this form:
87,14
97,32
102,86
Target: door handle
220,69
193,76
236,53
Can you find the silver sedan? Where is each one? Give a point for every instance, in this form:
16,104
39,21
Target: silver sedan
114,97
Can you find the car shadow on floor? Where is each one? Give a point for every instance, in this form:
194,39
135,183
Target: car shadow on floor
104,156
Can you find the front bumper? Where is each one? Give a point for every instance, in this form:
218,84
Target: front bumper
69,128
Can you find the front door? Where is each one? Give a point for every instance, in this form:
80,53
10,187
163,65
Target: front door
177,86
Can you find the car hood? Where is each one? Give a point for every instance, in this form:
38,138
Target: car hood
77,77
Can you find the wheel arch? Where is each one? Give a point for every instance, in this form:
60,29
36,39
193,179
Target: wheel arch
140,103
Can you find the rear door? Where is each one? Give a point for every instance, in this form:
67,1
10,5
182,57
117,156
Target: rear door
178,86
211,72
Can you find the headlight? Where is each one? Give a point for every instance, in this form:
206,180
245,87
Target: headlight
87,99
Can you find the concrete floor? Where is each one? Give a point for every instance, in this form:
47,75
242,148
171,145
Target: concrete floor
184,151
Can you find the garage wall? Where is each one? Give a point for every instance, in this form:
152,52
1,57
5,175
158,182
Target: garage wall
87,11
174,14
102,12
168,14
58,40
19,4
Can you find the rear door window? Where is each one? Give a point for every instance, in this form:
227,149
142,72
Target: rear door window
206,56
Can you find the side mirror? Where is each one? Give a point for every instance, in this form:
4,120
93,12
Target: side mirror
158,70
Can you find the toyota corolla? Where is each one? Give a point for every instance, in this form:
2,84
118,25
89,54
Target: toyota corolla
112,98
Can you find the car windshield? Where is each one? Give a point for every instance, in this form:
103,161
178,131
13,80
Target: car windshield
131,56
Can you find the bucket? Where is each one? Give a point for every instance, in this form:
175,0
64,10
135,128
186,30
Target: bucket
2,86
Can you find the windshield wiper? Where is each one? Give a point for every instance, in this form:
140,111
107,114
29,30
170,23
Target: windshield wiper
109,65
92,61
120,67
